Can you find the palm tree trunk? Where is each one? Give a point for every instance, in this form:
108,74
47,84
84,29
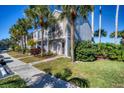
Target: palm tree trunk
42,40
72,41
100,23
116,23
92,14
25,43
22,43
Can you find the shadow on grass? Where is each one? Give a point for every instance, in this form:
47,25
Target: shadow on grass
48,71
59,81
48,81
81,82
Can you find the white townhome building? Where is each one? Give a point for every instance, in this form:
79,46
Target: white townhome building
59,40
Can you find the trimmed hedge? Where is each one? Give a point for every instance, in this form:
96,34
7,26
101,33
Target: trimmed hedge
87,51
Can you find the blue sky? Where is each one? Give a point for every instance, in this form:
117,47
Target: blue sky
10,14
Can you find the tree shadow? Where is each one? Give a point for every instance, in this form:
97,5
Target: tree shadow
7,57
59,81
64,75
81,82
8,61
48,71
49,81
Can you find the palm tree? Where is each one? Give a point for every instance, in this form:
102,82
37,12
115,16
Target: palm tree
92,16
14,33
84,10
100,23
116,24
40,16
23,27
70,12
32,16
103,33
120,35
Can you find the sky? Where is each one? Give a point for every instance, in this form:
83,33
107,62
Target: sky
10,14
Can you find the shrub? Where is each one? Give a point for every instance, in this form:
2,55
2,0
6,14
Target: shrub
111,51
13,47
31,42
85,51
35,51
18,48
48,54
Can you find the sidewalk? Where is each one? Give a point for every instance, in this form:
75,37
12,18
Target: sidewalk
34,77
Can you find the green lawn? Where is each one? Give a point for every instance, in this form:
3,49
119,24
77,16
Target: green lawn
102,73
12,82
32,59
27,58
17,54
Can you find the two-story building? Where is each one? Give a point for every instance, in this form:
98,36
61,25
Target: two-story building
57,37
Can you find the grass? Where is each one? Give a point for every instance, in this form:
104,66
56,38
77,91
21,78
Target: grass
12,82
27,58
17,54
103,73
32,59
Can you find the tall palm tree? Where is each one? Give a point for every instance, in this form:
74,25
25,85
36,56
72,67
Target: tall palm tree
116,24
100,22
24,26
70,12
84,10
103,33
14,33
120,35
92,18
32,16
40,16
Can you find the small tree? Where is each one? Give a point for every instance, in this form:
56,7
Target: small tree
31,42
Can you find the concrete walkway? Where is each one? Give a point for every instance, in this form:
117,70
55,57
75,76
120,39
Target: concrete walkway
46,60
34,77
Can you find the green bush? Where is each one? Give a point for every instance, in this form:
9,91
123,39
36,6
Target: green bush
31,42
85,51
18,48
111,51
47,54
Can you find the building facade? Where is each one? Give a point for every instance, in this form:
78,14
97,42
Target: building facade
57,37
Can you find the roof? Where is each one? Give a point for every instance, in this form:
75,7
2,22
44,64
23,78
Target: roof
56,11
